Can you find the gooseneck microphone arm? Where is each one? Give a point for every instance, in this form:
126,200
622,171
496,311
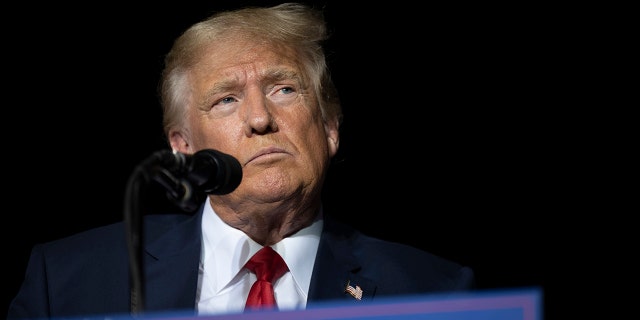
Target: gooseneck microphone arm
187,180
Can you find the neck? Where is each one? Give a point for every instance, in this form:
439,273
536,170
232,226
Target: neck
268,224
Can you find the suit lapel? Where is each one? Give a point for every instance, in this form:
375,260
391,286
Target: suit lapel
336,269
174,253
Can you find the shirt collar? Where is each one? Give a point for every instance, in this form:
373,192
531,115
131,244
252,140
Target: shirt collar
226,250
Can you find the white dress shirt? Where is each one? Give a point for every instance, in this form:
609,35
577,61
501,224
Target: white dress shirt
223,283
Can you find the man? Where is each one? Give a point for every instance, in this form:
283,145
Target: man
252,83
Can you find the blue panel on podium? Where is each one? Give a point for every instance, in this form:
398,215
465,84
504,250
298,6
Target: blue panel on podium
511,304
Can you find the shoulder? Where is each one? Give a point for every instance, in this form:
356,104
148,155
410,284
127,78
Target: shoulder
397,262
105,238
373,248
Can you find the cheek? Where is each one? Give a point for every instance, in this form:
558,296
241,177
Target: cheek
314,139
213,134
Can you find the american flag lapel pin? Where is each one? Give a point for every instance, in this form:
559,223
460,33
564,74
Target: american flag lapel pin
355,292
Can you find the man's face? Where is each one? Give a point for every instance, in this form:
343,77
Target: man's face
251,100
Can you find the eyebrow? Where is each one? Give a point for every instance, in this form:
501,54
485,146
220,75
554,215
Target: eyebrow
277,74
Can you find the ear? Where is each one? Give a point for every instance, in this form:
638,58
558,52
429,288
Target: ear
179,141
331,128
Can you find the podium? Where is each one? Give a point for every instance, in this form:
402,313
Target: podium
505,304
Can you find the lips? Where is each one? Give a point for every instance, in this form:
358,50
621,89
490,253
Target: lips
267,152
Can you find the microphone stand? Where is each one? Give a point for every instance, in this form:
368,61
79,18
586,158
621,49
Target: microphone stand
133,222
151,169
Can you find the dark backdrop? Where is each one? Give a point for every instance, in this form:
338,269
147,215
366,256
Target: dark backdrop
449,141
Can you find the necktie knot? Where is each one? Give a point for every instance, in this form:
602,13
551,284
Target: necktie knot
268,266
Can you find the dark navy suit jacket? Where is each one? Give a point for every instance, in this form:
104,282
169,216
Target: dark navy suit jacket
88,273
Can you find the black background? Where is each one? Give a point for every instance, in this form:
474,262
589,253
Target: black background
454,138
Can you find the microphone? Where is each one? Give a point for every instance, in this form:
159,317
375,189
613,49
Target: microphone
188,178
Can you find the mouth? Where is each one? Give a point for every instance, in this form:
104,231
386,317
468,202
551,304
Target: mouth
267,154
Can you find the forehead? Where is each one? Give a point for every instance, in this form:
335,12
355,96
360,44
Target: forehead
234,55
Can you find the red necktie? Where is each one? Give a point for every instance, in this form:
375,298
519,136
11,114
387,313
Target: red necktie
268,266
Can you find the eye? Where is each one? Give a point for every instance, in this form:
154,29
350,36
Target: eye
227,100
226,103
284,95
287,90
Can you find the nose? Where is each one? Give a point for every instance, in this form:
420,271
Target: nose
258,116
